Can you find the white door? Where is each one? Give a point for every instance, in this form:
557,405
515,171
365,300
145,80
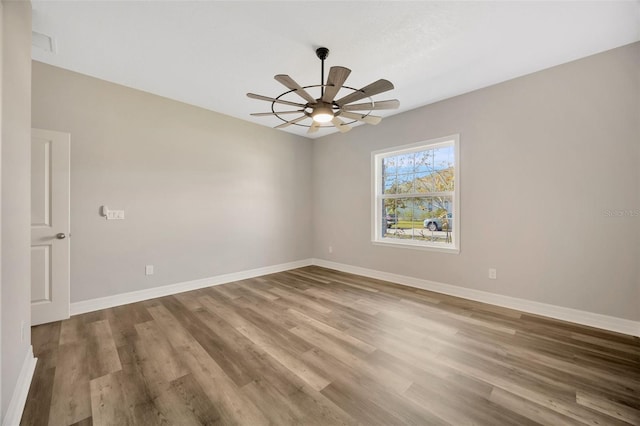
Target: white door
49,226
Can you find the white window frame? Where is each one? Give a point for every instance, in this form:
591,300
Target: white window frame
377,237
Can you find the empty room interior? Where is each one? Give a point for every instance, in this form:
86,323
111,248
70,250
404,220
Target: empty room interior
320,213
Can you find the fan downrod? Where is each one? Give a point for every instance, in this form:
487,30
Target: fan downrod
322,53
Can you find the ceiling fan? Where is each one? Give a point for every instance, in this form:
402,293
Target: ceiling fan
326,109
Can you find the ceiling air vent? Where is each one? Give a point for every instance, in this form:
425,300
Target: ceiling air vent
43,42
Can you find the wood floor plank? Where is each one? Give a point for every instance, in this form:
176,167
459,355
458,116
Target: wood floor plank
209,341
363,410
392,408
233,406
315,379
253,286
540,393
313,346
108,405
609,407
72,330
142,385
70,401
326,329
276,341
185,403
102,355
451,411
277,391
159,352
84,422
122,320
45,340
533,411
41,390
293,299
189,300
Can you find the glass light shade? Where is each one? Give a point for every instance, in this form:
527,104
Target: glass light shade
322,114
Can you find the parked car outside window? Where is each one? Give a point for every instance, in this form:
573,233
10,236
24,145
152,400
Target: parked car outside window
438,224
392,219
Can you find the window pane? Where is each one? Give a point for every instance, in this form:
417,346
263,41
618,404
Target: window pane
435,170
419,216
400,212
424,182
405,163
436,219
419,161
443,168
405,183
443,180
390,165
390,184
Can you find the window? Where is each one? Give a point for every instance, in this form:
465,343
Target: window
416,195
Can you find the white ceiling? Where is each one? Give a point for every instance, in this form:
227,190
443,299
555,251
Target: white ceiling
211,53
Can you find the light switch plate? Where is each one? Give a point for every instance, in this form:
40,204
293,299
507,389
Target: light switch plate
115,215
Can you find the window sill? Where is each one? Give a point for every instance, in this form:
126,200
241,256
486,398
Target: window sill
416,246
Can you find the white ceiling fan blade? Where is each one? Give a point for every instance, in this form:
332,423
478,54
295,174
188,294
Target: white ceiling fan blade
369,106
337,77
314,127
279,101
291,84
262,114
369,119
289,123
340,125
372,89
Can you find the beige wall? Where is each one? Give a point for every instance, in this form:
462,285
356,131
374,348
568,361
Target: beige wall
543,157
15,190
204,194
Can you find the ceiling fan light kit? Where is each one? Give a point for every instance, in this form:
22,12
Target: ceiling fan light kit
326,109
322,113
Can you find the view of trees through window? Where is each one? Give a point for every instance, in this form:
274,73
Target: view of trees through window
417,194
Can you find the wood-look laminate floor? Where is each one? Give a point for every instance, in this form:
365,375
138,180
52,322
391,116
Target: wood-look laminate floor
314,346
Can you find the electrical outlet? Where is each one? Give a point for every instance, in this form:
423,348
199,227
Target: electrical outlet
493,273
148,270
330,249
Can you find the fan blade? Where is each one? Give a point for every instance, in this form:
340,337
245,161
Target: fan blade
369,119
279,101
289,123
314,127
261,114
291,84
337,77
374,88
391,104
340,125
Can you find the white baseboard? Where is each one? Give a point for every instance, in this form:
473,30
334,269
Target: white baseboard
591,319
167,290
605,322
21,390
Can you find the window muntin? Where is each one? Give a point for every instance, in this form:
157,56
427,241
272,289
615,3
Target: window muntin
416,195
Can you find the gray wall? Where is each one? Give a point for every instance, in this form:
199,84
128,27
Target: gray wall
543,157
15,191
204,194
